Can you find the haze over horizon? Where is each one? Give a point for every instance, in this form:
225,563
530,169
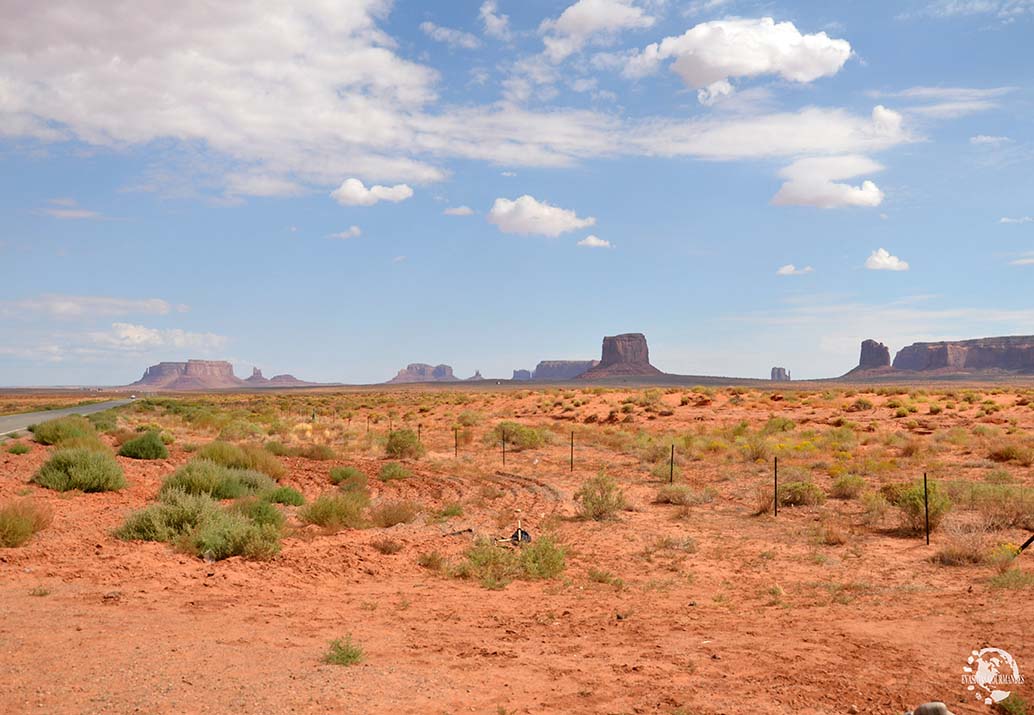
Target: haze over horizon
339,189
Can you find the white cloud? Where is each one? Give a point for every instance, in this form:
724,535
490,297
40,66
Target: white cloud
950,102
138,338
815,182
350,232
508,173
1026,260
1005,10
708,55
991,140
68,209
458,211
353,193
587,20
496,25
81,306
593,241
451,37
526,215
791,270
881,260
1018,219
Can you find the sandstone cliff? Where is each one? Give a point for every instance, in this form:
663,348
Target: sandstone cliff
780,374
189,375
521,375
422,372
561,369
623,355
1009,354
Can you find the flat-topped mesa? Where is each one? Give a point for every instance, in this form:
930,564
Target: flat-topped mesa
521,375
874,356
1013,353
625,354
422,372
780,374
562,369
189,375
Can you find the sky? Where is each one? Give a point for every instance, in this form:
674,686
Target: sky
337,188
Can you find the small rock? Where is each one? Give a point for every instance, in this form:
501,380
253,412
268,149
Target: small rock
853,710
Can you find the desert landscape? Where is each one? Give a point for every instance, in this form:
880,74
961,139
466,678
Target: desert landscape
372,527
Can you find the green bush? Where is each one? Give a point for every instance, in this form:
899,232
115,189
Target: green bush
848,486
19,448
343,652
403,444
683,495
800,494
756,448
392,470
495,566
242,457
105,421
541,559
228,533
149,445
285,495
278,448
600,498
468,418
62,429
913,509
175,514
260,511
518,436
81,468
20,520
390,513
317,452
201,476
348,478
336,511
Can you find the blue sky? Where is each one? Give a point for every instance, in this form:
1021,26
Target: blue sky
749,184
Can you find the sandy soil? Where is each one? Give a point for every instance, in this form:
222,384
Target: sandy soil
761,617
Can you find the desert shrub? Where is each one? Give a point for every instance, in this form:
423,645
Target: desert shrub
541,559
496,566
859,405
1013,578
175,514
238,430
433,561
335,511
962,548
1001,506
278,449
778,424
317,452
260,511
1012,452
450,511
201,476
20,520
763,499
683,495
1015,704
390,513
19,448
518,436
894,492
403,444
848,486
468,418
62,429
875,507
600,498
149,445
392,470
801,494
386,546
348,478
229,533
104,421
81,468
755,448
913,511
343,652
284,495
242,457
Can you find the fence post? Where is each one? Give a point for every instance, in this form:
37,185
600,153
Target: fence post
367,424
456,438
775,488
671,465
420,431
572,450
926,505
504,448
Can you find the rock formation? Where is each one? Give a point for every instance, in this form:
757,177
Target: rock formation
189,375
521,375
422,372
476,377
286,380
780,374
256,377
874,355
1010,354
562,369
623,355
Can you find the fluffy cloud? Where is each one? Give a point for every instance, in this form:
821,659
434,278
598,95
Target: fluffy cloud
587,19
881,260
451,37
815,182
1018,219
526,215
991,140
593,241
353,193
350,232
791,270
138,338
708,55
496,25
458,211
83,306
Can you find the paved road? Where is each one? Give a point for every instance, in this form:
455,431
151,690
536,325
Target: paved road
17,423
